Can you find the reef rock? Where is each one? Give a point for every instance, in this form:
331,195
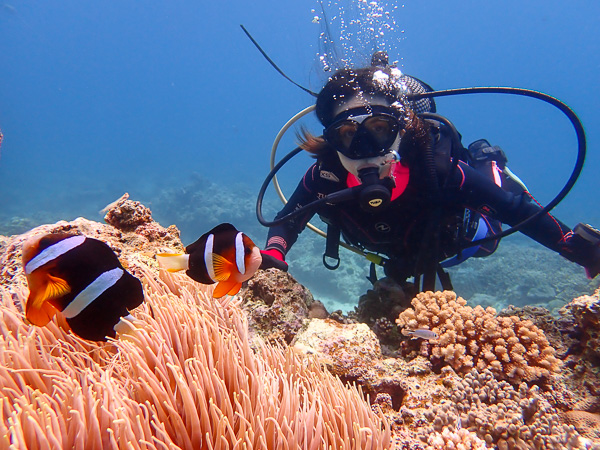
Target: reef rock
386,300
127,215
347,348
276,304
133,248
352,352
585,311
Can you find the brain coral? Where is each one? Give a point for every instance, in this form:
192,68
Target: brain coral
510,347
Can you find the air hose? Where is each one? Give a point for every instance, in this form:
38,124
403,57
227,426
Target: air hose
347,194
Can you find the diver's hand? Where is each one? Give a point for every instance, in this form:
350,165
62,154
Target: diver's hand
583,247
593,269
592,272
273,258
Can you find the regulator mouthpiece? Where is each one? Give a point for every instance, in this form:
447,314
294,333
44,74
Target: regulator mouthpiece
375,195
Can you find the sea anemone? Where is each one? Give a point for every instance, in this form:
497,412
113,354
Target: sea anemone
184,376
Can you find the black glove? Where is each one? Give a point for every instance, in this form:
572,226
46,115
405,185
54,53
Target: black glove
273,258
583,248
593,269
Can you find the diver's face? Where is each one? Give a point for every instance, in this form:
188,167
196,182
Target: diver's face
383,164
361,135
364,128
366,133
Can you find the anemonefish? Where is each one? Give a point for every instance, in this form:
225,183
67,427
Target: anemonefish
83,279
224,255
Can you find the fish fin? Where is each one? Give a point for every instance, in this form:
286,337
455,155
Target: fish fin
235,289
173,262
41,315
56,287
226,287
223,268
38,311
126,326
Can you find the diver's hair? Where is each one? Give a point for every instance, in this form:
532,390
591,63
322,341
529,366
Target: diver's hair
348,83
416,138
315,145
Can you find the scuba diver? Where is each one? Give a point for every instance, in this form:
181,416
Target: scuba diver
392,177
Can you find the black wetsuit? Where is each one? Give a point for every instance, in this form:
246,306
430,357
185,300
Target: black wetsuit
399,230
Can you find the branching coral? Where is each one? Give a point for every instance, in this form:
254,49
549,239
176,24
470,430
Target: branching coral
468,338
184,376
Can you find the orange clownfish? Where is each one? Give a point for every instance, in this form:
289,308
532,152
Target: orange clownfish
83,279
224,255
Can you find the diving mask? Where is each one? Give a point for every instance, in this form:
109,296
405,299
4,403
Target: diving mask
364,132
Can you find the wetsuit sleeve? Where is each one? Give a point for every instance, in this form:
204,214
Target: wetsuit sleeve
282,237
479,193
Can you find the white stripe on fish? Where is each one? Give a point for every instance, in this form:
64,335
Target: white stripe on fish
94,290
53,252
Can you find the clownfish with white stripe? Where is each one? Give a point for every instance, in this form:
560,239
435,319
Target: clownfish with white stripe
83,279
224,255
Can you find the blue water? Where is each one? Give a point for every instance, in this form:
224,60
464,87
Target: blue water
161,99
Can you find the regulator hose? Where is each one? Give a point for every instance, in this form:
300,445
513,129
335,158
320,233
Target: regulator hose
349,193
577,125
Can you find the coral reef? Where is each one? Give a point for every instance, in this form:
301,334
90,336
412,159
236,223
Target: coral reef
183,376
127,215
459,439
473,337
553,329
501,415
352,352
138,245
586,423
195,372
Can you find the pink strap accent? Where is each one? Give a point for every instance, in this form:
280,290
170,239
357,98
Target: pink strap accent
401,176
462,181
274,253
496,173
